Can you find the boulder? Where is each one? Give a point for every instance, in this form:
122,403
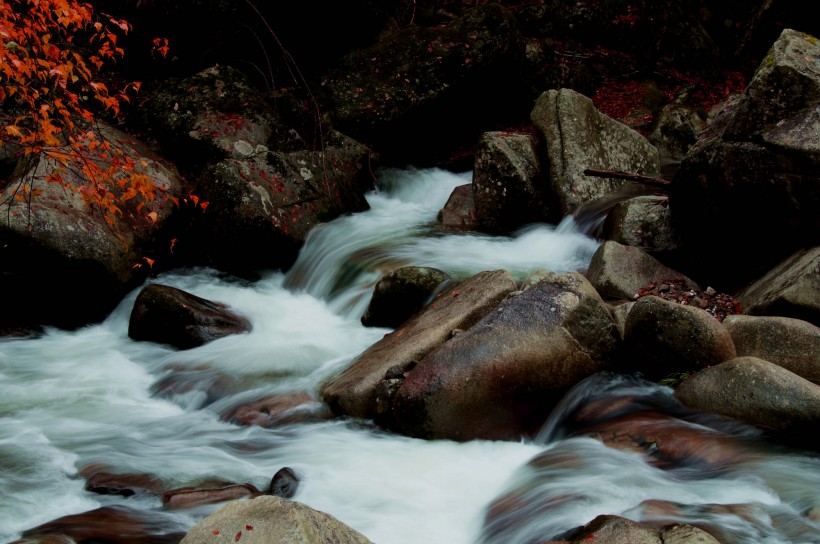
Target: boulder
757,392
271,520
278,410
58,231
500,378
619,271
110,524
579,137
791,343
508,189
172,316
676,131
619,314
681,533
642,222
192,497
284,483
103,482
618,530
401,293
791,289
360,389
418,91
665,337
262,206
748,193
211,116
459,212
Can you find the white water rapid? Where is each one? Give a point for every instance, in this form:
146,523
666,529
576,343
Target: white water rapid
93,396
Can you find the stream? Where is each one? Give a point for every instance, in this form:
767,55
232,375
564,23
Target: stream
70,399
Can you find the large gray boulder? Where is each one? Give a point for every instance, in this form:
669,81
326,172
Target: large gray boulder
272,520
263,206
791,289
579,137
500,378
619,271
791,343
364,388
666,337
210,116
756,392
63,263
172,316
508,189
748,193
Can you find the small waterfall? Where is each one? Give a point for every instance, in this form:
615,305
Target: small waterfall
93,396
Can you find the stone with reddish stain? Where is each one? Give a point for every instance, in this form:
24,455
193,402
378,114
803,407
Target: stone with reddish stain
281,409
271,520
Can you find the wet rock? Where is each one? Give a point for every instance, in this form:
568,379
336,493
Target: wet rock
756,392
507,187
748,193
271,520
400,294
284,483
191,497
459,211
643,222
664,337
277,410
791,289
172,316
579,137
619,271
791,343
127,485
500,378
58,232
354,390
109,524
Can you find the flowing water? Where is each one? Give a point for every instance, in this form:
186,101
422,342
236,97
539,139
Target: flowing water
73,399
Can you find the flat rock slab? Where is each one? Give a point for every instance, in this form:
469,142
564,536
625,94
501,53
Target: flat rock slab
354,391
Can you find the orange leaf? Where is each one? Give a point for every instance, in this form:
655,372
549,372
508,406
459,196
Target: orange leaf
152,216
